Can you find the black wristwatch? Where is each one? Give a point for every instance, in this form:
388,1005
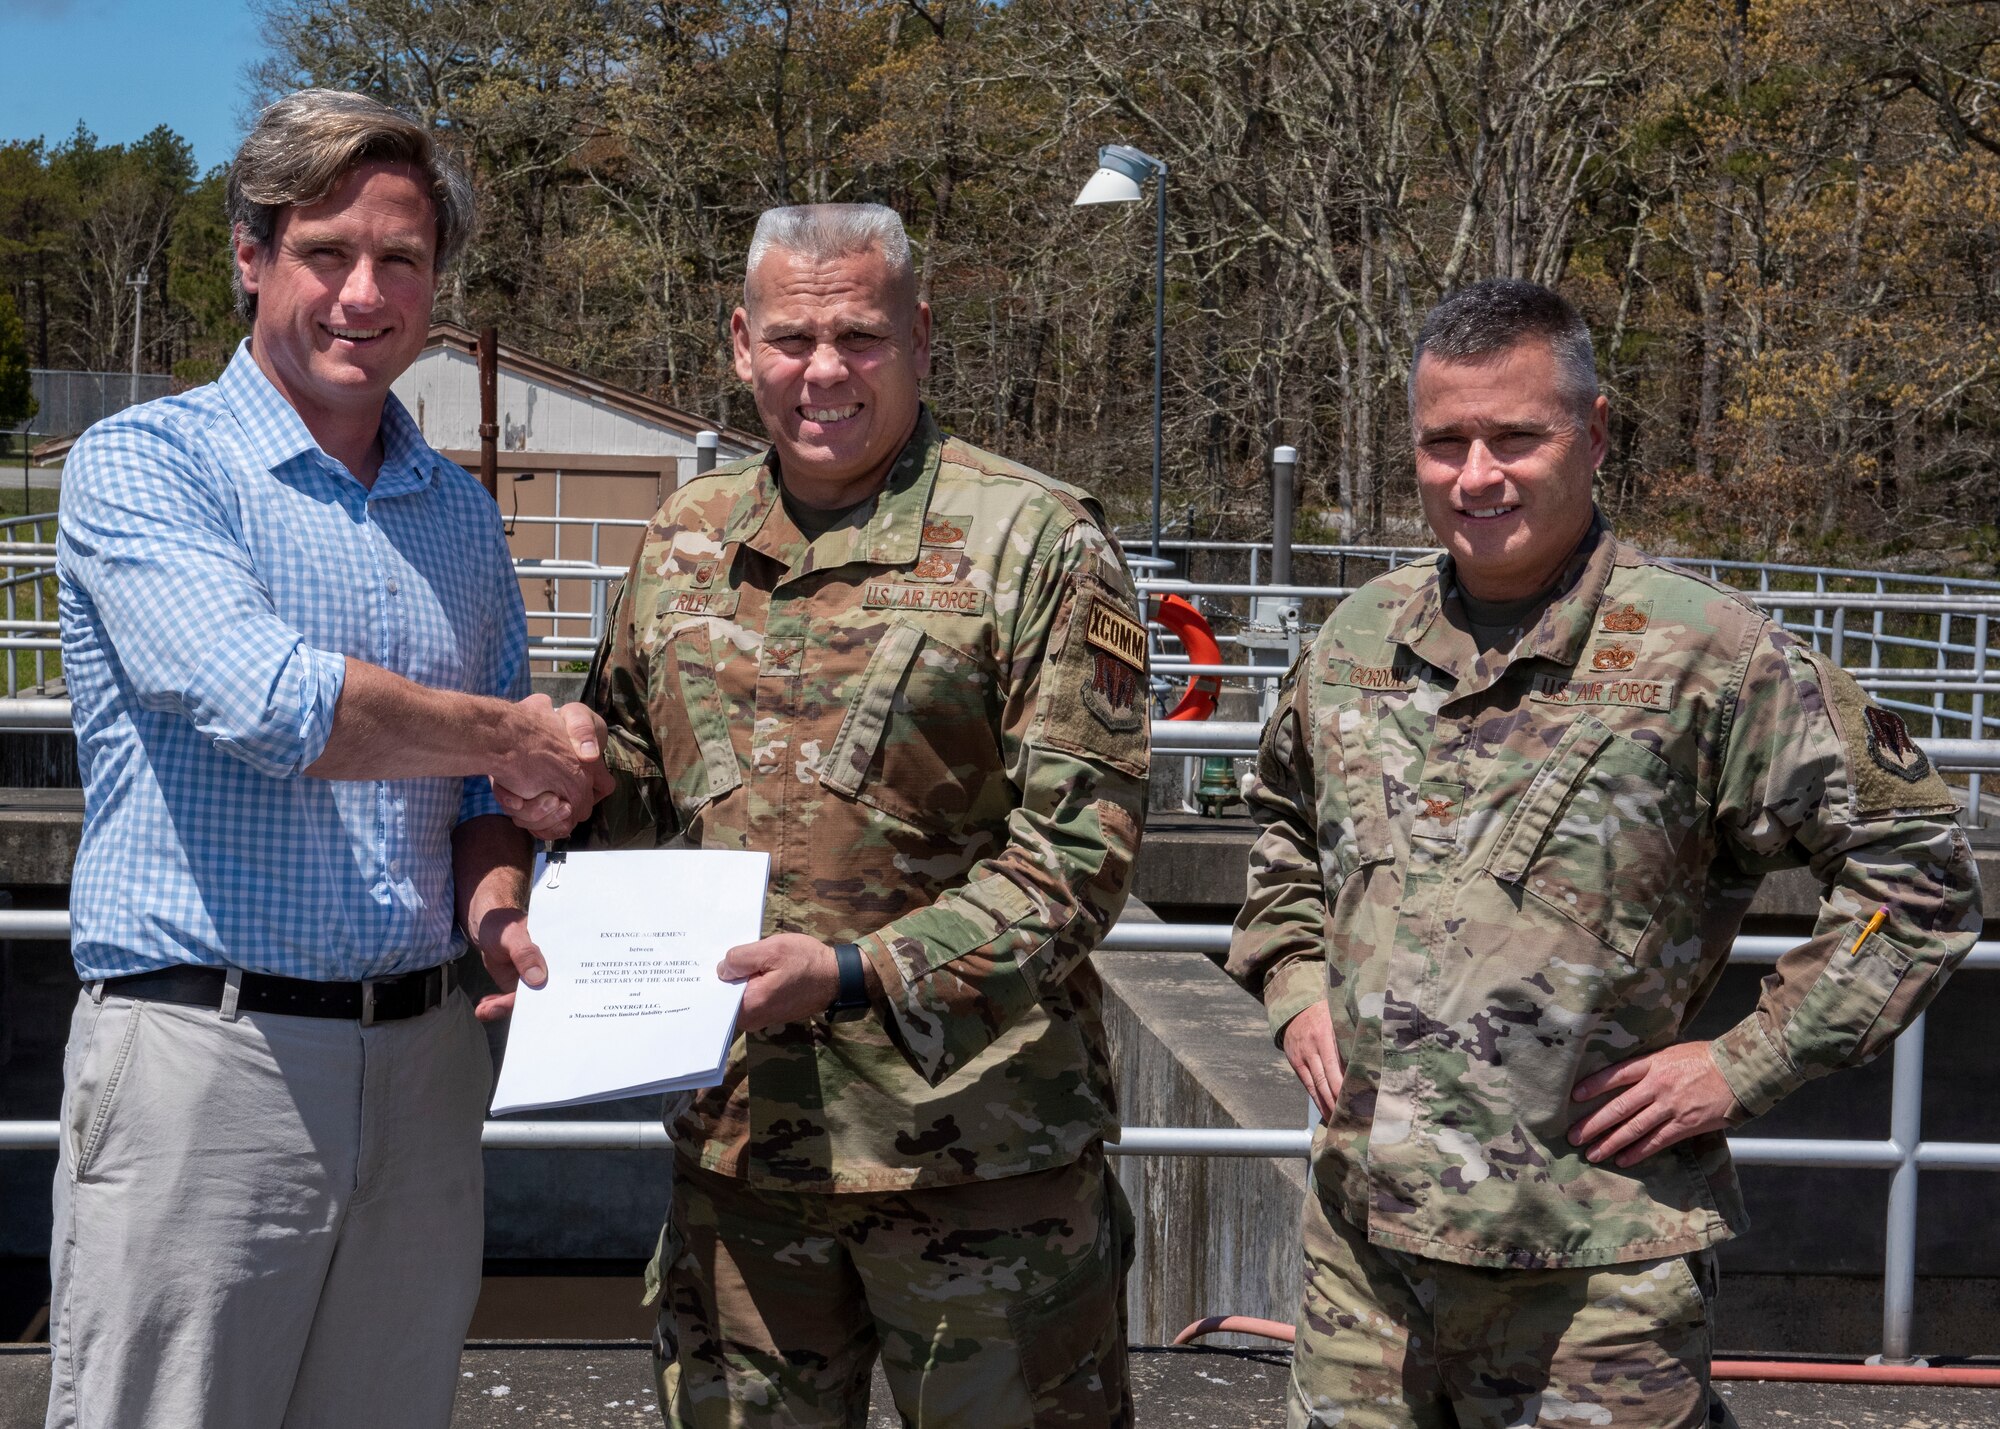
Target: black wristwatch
850,999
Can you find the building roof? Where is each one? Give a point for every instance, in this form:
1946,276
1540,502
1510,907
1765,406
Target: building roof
452,336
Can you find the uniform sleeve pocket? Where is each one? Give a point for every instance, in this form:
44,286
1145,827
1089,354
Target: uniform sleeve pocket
1599,834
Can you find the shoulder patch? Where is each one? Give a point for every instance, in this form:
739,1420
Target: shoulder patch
1884,765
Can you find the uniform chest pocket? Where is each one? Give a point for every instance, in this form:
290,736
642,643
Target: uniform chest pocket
1356,824
1600,832
692,718
917,741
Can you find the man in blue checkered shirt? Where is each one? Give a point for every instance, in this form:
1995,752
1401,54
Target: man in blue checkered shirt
297,655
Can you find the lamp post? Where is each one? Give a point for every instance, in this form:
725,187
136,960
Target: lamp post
137,283
1121,173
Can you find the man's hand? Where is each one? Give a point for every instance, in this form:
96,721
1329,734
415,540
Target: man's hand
551,812
790,978
511,959
1315,1056
1666,1097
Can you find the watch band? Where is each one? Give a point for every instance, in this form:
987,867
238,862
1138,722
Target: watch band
850,998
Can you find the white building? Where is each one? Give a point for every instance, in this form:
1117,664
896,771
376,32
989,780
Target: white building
582,463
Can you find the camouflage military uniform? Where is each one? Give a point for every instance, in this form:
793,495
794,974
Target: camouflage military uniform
1505,871
933,719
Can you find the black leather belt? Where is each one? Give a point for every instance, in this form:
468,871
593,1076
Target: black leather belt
386,999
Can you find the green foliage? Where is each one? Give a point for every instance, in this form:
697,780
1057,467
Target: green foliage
17,397
1779,217
79,219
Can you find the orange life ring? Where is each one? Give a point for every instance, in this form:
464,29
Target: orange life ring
1198,639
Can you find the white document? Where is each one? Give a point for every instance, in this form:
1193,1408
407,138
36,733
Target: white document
632,1005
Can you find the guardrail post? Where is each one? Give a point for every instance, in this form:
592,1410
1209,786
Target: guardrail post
1977,786
1284,463
1273,636
1899,1260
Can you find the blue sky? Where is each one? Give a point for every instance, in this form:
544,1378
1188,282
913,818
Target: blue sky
124,66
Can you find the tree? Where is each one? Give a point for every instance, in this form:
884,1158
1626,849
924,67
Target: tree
17,394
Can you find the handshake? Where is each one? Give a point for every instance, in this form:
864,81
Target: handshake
548,769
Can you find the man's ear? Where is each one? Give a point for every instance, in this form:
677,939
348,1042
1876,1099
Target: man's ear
249,256
739,341
1600,431
920,340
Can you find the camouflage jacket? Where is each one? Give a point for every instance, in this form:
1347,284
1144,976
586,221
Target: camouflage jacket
934,721
1505,871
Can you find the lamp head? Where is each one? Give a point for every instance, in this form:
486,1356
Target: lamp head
1121,171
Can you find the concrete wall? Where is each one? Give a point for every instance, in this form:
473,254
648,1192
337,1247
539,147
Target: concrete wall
1217,1234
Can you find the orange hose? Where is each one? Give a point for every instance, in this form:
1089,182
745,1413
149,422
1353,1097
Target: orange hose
1795,1371
1235,1325
1805,1371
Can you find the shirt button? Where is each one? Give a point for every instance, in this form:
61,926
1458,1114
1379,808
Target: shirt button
392,585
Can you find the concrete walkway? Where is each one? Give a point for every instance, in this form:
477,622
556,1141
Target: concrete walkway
605,1384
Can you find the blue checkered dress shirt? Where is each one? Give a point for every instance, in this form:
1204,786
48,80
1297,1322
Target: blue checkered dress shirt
215,566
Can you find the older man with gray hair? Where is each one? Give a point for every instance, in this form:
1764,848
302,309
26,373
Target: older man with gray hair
297,653
1516,801
911,672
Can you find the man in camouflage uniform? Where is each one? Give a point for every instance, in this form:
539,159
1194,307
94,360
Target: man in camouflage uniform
909,671
1515,802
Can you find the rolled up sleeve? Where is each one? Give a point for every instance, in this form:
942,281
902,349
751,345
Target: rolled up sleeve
506,675
148,541
1804,775
1278,947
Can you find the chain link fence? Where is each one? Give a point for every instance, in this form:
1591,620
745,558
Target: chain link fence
67,401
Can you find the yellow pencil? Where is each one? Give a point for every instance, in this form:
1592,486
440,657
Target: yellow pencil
1881,916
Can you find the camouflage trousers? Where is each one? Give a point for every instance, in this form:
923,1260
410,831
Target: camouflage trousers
991,1305
1394,1341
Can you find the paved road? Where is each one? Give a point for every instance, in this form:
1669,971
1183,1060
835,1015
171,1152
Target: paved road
602,1385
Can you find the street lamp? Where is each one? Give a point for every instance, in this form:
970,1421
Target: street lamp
1120,177
137,283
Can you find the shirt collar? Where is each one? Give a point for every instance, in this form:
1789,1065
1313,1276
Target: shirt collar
891,536
1559,634
275,434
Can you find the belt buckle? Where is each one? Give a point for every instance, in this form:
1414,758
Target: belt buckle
368,1002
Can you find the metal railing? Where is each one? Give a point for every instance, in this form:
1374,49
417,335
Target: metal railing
27,573
1904,1152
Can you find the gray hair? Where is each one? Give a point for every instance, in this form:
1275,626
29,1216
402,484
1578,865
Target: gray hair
824,231
1490,317
305,144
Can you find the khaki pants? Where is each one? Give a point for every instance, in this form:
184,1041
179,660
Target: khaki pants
264,1221
993,1305
1394,1341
